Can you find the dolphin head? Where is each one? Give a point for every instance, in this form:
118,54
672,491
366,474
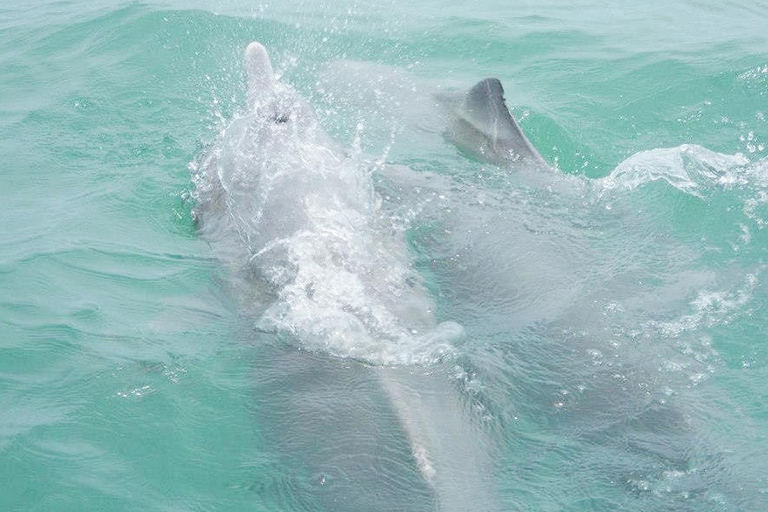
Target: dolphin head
271,102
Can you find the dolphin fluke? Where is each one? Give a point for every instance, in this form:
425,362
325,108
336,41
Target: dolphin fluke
482,125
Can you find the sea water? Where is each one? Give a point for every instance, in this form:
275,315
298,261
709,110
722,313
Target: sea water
613,312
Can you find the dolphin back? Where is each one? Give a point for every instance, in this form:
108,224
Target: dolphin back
481,124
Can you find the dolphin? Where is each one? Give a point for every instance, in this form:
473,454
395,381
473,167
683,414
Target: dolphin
356,380
476,120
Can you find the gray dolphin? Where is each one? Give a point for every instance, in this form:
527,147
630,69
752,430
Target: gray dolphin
351,391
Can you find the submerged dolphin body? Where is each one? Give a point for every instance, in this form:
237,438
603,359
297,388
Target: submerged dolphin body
367,414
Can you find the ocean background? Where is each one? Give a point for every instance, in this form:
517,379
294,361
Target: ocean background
615,322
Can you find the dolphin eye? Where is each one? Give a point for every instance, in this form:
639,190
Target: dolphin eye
281,118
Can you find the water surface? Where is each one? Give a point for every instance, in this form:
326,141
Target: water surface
614,313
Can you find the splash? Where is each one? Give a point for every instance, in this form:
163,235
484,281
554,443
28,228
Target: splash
687,168
298,218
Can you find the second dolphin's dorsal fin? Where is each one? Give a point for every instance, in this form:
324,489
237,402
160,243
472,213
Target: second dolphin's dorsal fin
484,106
484,111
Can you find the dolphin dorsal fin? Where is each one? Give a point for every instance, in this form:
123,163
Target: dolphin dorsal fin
485,109
261,77
484,104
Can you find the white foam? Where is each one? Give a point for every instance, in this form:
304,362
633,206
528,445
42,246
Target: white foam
687,168
712,307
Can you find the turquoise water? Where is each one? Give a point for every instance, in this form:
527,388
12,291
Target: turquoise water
613,312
